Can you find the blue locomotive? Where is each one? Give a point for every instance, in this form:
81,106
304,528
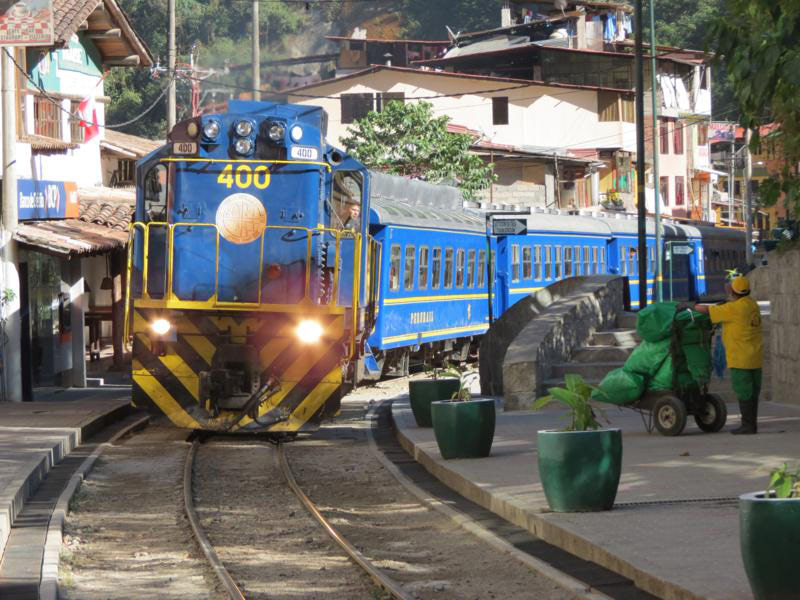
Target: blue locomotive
270,272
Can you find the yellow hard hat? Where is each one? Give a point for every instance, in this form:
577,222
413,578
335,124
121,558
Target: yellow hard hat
740,285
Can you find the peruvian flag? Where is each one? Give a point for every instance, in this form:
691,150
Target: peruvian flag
87,111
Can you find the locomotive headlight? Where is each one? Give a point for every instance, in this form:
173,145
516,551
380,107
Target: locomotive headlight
211,130
309,332
297,133
243,128
161,326
243,146
276,132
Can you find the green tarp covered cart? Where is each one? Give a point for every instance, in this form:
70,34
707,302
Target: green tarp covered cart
667,375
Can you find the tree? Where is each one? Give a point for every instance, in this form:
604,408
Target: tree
758,44
426,20
407,139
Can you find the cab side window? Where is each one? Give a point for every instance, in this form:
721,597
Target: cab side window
346,200
155,195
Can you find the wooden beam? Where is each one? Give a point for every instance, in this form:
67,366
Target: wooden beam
108,34
120,61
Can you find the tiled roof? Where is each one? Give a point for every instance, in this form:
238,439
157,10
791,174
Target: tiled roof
110,207
139,146
69,236
47,145
68,15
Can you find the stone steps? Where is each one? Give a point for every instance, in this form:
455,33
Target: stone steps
625,338
592,370
595,354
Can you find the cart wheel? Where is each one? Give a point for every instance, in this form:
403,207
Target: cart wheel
713,414
670,415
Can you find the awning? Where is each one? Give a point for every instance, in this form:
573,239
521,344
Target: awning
711,171
69,237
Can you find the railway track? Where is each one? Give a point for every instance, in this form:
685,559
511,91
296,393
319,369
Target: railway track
226,581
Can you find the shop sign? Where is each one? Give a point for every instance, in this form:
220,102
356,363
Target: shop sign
26,23
40,199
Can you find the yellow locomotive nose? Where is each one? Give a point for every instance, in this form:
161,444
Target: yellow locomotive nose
309,332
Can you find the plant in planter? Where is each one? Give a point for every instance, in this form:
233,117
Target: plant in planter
769,527
580,465
422,392
464,427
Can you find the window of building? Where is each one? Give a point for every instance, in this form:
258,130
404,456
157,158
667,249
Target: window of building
460,268
471,268
557,273
46,118
663,134
677,137
527,263
568,261
515,263
408,274
394,268
608,106
537,263
355,106
500,110
663,190
702,134
448,268
436,269
481,268
679,197
628,109
548,262
422,283
383,100
77,134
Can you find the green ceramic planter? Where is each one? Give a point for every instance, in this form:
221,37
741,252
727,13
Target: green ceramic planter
580,470
424,391
769,534
464,429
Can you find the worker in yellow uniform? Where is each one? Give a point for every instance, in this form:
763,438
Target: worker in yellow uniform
741,336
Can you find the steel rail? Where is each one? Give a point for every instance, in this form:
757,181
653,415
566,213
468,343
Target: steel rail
380,578
199,533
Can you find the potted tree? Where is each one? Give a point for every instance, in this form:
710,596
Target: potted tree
424,391
464,426
769,527
579,466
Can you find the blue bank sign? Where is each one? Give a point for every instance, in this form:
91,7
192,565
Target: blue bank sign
39,199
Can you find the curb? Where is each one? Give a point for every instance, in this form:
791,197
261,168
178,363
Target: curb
504,506
561,579
48,585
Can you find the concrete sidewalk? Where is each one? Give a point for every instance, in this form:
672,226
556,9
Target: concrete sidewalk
675,527
34,436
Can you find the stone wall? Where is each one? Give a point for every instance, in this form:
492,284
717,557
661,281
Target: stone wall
759,282
544,329
784,281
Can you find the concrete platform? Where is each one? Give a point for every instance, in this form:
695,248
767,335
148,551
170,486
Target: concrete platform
674,529
34,436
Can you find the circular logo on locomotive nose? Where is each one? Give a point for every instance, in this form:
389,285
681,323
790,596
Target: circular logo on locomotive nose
241,218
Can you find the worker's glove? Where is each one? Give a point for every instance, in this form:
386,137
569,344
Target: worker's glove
685,306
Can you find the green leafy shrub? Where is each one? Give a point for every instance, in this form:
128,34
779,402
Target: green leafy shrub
576,397
784,483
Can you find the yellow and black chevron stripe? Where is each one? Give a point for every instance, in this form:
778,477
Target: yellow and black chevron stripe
166,374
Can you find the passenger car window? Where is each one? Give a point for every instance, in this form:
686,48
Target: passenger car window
481,268
394,268
548,262
471,269
527,267
460,268
436,269
514,263
568,261
422,282
558,263
408,274
448,268
537,263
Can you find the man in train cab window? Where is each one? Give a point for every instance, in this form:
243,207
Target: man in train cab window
741,336
346,200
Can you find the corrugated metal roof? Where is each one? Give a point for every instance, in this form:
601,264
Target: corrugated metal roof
395,212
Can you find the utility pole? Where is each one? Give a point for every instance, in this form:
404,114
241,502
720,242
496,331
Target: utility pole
10,327
748,206
731,173
256,55
640,158
659,287
171,108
